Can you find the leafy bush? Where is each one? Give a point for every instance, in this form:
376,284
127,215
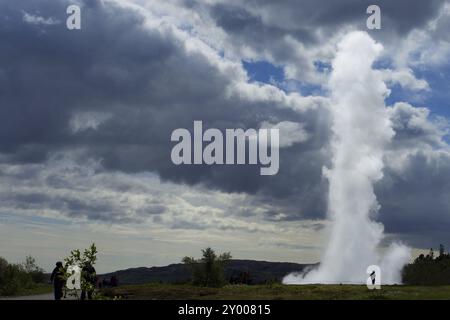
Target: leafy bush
36,273
83,260
15,277
428,269
208,271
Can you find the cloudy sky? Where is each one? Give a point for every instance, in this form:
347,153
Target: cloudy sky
86,117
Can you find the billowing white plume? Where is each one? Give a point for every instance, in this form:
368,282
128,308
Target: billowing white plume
361,131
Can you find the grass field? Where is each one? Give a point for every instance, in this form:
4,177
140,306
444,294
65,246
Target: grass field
37,289
278,292
265,292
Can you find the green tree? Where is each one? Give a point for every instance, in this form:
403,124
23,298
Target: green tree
82,260
428,270
13,278
208,271
30,267
441,250
430,255
3,272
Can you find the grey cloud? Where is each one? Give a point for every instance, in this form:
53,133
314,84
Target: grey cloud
267,27
415,202
414,191
77,207
414,128
150,84
301,19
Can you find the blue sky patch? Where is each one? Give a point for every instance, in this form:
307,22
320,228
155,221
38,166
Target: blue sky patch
263,71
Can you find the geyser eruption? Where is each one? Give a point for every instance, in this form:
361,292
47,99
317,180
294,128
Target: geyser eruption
361,131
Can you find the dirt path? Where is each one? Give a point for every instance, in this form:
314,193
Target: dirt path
45,296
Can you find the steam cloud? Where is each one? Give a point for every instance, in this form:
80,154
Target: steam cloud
361,131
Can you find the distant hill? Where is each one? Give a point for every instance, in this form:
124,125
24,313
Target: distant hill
256,272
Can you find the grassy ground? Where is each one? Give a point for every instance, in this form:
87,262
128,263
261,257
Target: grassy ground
38,289
278,292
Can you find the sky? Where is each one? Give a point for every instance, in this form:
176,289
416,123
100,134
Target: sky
86,117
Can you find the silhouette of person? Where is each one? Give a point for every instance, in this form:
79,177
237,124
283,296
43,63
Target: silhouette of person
372,276
89,275
57,278
113,282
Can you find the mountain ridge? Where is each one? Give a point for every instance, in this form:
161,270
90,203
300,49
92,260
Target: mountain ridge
237,271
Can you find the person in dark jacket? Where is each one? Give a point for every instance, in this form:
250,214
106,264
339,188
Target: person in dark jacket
372,276
57,278
90,280
114,282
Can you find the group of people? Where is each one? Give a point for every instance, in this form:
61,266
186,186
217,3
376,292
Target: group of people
113,282
88,279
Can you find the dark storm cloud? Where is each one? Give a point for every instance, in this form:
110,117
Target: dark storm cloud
241,22
147,84
413,128
416,202
265,30
72,206
301,19
414,193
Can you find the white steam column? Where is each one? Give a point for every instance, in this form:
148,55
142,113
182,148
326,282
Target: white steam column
361,131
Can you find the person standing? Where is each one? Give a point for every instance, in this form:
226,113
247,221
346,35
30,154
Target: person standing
57,278
373,277
90,280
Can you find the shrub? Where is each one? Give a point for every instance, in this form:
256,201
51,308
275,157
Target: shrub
428,270
15,277
208,271
30,267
